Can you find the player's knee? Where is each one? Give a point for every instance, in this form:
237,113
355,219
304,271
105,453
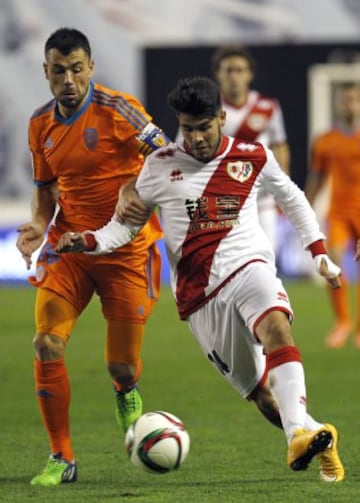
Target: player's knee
274,331
48,347
122,373
280,334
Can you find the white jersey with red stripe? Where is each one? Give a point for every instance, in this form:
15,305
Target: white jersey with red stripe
209,214
259,119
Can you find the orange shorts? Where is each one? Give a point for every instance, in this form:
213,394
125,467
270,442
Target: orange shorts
341,229
127,280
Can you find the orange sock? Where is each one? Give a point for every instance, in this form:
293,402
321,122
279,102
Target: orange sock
340,302
53,394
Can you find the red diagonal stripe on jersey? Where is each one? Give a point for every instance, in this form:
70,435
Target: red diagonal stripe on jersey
245,132
199,247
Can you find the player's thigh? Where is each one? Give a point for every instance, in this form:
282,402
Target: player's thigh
54,315
66,275
128,293
340,232
228,345
256,291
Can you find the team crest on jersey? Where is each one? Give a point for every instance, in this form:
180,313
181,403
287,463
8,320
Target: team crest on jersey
91,138
257,122
240,170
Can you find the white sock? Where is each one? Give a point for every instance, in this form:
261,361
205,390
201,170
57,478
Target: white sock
287,382
311,424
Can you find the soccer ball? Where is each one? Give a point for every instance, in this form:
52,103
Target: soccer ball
157,442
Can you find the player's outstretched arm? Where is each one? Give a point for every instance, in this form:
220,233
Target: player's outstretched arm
105,240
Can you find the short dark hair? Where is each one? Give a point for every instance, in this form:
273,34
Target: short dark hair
231,50
67,40
195,96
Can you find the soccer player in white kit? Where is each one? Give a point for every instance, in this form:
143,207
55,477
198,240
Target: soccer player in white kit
251,116
223,273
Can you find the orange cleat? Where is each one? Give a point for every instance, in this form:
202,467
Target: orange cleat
339,336
357,340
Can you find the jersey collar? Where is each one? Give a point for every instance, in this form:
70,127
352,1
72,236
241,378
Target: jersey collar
223,144
73,118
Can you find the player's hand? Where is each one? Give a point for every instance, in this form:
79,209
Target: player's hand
131,208
71,242
31,237
328,270
357,254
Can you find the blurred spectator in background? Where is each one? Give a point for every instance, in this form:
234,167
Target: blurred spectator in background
251,117
2,144
20,28
335,158
15,163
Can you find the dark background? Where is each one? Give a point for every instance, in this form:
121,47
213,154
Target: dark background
282,71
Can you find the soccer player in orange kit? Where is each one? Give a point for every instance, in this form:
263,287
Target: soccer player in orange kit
86,144
336,157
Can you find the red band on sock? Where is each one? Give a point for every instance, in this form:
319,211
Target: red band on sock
283,355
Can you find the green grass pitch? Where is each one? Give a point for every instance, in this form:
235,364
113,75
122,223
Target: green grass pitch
236,456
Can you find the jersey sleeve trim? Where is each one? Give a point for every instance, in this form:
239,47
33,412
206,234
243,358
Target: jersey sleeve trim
50,105
44,183
130,113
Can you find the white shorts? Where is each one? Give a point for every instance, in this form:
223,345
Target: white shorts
225,326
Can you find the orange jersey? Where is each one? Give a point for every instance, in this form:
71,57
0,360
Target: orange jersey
337,155
90,155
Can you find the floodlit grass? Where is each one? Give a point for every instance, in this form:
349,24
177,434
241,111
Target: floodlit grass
236,456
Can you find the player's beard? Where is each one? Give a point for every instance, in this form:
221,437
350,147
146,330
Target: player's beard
210,150
71,102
